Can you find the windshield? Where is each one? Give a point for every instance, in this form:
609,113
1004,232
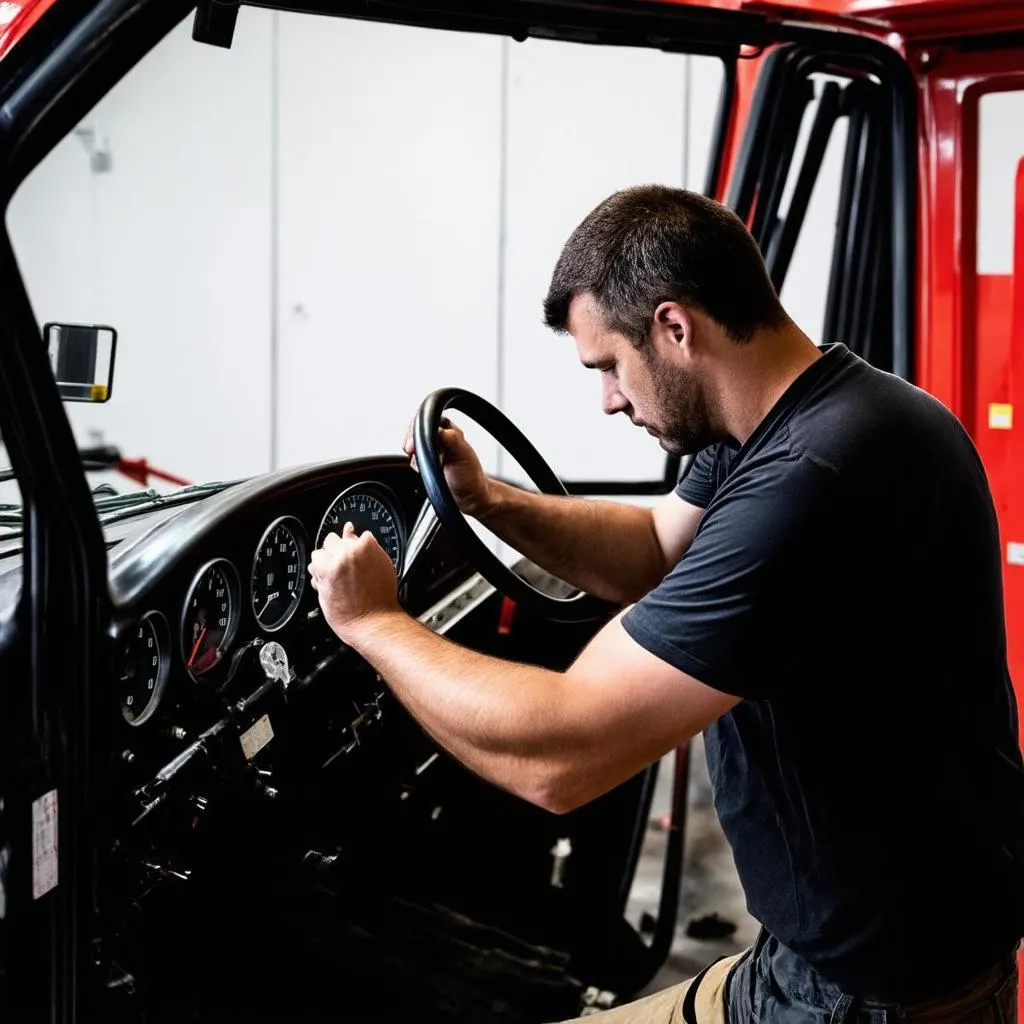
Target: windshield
299,238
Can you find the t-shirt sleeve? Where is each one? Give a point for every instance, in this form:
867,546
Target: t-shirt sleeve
727,613
699,485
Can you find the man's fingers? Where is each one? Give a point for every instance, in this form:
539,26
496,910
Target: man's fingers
314,567
451,440
449,434
332,542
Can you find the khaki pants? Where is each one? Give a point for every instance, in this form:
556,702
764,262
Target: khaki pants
989,999
666,1007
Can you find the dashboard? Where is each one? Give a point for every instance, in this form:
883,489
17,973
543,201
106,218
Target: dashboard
245,591
268,813
223,670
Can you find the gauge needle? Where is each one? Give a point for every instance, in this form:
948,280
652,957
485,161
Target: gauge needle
199,640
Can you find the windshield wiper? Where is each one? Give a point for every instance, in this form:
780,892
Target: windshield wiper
123,506
112,510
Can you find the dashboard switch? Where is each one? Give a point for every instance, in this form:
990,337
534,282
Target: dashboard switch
274,660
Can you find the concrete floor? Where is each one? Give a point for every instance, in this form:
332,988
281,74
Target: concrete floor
709,886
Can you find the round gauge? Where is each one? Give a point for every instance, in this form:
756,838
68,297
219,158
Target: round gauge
278,573
143,662
210,617
366,508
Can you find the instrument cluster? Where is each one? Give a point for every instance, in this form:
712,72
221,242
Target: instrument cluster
265,594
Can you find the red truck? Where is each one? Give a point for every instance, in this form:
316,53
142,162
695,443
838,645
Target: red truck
209,822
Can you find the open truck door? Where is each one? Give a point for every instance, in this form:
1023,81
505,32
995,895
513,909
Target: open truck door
808,91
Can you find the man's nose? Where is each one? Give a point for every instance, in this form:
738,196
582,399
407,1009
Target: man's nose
612,400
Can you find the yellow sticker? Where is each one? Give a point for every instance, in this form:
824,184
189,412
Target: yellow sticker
256,737
1000,416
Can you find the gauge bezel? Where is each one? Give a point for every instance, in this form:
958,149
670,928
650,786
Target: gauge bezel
162,631
298,532
234,618
385,496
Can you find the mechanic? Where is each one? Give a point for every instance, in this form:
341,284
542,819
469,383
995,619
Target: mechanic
821,596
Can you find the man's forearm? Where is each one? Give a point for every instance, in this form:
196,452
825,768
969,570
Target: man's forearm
499,718
606,548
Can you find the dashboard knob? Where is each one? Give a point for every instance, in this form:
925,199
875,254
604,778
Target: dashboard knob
274,661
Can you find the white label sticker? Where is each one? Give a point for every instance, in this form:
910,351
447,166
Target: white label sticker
44,844
1015,553
256,737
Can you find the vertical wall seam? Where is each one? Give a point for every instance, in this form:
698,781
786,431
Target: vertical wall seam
275,282
499,383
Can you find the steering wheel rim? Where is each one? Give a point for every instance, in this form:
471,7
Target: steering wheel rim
581,607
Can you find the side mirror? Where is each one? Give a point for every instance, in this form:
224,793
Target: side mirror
82,357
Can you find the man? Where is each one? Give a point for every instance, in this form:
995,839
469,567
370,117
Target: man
821,596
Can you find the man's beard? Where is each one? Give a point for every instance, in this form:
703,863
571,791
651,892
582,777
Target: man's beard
685,427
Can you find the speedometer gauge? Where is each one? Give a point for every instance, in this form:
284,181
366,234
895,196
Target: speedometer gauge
278,573
143,661
366,507
210,616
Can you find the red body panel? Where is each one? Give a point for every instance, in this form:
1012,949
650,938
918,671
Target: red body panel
970,346
18,16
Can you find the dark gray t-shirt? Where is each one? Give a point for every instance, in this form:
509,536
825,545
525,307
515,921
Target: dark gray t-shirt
845,579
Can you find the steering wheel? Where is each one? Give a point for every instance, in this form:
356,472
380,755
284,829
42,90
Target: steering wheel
579,606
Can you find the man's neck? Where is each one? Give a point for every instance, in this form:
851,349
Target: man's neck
756,375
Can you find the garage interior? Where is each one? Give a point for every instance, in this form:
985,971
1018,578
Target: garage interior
332,201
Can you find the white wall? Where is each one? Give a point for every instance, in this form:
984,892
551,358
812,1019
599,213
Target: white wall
172,247
582,123
390,163
1000,150
300,237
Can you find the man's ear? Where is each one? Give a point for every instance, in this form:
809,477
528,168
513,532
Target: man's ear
675,325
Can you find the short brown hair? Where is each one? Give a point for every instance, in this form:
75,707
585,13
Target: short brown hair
652,244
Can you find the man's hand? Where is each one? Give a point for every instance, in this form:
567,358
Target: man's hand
469,484
354,578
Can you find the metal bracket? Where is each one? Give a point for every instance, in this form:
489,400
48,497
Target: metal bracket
100,159
215,22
